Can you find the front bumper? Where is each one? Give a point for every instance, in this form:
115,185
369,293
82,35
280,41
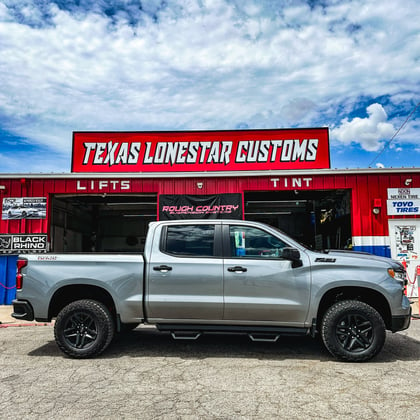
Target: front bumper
401,322
22,310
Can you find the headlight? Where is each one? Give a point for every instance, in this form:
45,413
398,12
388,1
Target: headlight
398,275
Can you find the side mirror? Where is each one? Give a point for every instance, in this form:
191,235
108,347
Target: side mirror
293,255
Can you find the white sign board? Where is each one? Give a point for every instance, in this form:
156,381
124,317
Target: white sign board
403,193
403,201
403,207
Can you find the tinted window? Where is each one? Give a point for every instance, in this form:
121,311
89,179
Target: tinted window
253,242
190,240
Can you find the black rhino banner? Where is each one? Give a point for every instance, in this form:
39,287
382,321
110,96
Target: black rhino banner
217,206
23,243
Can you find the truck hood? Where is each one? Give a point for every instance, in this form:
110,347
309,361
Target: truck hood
362,257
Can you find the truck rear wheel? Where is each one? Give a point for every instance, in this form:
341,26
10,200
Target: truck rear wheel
84,328
353,331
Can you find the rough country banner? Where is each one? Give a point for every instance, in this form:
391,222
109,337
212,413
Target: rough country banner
220,206
193,151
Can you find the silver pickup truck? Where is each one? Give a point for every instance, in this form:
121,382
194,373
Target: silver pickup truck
212,276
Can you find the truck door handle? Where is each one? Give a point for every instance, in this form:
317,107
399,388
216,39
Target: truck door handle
237,269
162,268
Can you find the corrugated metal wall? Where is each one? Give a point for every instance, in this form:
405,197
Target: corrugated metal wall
365,188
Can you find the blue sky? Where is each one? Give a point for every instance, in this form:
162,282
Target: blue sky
79,65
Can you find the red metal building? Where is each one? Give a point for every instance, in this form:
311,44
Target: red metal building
122,181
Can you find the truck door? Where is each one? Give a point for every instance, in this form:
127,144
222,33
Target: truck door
260,286
185,274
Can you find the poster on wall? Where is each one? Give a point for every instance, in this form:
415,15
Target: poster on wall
24,208
217,206
405,247
23,243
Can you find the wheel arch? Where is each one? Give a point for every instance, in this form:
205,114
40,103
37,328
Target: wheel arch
70,293
362,294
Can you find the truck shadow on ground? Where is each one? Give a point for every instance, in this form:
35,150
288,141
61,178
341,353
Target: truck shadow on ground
152,343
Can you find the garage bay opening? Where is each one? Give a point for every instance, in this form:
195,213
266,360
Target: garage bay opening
101,223
319,219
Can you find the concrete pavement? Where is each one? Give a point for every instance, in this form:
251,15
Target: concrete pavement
5,315
146,374
6,319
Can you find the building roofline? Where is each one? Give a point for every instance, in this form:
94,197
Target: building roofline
215,174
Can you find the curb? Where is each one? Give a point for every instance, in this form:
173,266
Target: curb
33,324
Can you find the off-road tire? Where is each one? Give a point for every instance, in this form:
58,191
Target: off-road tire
353,331
84,329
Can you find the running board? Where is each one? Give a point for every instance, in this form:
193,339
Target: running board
255,333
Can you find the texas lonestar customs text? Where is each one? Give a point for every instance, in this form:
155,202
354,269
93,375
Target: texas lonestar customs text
246,150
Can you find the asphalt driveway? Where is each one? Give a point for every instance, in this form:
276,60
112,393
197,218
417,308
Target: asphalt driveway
146,374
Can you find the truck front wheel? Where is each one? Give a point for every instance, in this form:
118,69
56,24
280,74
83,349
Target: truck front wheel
353,331
84,328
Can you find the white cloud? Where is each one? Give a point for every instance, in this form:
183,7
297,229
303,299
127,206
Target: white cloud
368,132
197,64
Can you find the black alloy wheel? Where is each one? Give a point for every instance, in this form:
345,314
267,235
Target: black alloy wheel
353,331
81,330
84,328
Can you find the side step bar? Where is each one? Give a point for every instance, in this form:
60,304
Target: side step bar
255,333
184,335
267,338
